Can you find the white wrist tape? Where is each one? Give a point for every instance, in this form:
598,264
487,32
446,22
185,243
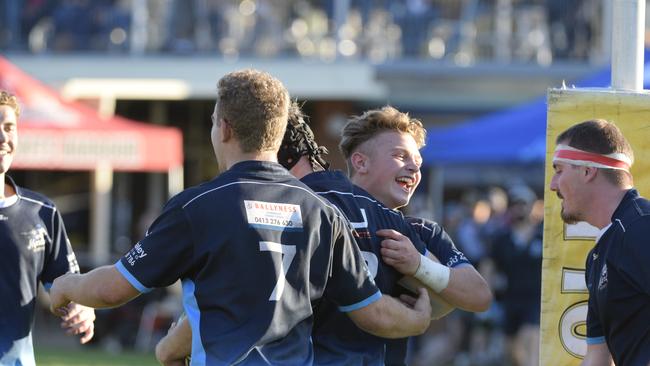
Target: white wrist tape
433,275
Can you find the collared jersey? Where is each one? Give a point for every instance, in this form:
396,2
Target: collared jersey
34,247
254,248
337,341
618,280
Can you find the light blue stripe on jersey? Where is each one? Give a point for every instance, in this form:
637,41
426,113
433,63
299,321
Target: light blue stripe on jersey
129,277
361,304
596,340
194,318
47,286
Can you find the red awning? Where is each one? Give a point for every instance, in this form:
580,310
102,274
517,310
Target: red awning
61,135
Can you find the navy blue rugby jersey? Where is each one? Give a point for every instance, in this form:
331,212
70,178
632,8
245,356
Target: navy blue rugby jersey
618,280
34,247
337,340
254,248
438,242
442,246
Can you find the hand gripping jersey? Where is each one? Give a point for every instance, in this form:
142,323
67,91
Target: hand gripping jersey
34,247
254,249
618,280
438,242
337,341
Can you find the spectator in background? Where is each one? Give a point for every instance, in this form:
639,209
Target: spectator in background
470,230
517,253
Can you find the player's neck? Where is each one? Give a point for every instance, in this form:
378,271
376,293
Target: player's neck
603,204
259,156
8,190
302,168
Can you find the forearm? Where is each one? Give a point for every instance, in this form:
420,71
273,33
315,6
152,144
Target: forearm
103,287
389,318
176,345
467,290
597,355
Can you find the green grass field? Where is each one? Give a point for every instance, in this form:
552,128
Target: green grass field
47,356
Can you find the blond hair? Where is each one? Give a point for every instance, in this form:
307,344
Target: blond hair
255,105
360,129
10,100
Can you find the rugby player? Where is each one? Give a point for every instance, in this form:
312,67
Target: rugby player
336,339
592,177
254,248
35,248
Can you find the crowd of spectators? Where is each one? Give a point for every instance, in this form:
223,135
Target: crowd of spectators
377,30
500,231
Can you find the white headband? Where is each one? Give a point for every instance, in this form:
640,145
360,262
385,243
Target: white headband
571,155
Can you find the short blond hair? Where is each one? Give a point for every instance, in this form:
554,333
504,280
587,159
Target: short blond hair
255,105
10,100
360,129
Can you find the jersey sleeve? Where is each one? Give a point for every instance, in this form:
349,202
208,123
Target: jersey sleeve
635,256
350,285
60,258
438,242
595,332
163,256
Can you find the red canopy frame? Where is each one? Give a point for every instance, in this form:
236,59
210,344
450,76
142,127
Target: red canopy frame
64,135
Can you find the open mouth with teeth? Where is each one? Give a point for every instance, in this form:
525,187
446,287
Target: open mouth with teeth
405,182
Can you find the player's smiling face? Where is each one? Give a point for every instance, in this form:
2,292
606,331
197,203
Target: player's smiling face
392,168
8,137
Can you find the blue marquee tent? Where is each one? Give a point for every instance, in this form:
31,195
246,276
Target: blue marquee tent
515,135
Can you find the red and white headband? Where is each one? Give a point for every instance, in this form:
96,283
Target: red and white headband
571,155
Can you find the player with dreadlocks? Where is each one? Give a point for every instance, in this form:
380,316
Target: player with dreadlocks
336,340
299,141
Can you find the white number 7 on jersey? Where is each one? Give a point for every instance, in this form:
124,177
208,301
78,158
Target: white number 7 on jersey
288,251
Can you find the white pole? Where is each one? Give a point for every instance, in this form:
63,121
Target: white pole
628,31
100,220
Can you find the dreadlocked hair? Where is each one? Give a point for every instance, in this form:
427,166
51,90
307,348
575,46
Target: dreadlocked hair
299,141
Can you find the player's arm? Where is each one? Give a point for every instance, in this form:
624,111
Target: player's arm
103,287
176,346
461,286
390,318
351,287
467,289
597,355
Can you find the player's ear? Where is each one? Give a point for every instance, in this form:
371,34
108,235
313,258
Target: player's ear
590,173
359,162
226,130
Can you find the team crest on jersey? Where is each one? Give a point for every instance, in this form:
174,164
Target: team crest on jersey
36,238
602,282
273,216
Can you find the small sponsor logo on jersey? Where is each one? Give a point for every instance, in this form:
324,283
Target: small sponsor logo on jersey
361,233
36,239
274,216
73,265
602,283
457,257
3,217
134,254
594,256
